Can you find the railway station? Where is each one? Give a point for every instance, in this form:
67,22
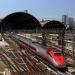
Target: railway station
32,47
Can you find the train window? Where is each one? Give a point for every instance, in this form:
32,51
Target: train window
57,53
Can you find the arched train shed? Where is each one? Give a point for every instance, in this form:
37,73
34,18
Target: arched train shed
52,26
20,21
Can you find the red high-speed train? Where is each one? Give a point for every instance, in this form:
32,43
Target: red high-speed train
52,55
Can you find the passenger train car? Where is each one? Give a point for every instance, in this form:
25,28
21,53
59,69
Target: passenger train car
53,56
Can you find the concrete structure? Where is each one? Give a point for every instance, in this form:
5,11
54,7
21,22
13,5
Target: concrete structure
65,19
70,21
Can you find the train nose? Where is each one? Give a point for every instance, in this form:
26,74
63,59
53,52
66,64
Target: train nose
59,64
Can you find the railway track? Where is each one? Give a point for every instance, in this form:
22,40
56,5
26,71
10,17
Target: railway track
57,71
30,64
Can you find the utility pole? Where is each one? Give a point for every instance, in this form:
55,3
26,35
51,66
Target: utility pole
73,43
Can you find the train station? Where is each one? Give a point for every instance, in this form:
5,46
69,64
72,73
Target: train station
32,47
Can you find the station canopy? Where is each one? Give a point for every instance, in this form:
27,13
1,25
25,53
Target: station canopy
52,26
20,20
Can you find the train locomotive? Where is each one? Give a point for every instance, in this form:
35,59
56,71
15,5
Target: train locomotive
52,55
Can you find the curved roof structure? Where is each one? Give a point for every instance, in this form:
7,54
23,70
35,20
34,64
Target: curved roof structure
53,24
20,20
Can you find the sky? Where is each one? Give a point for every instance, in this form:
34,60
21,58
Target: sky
41,9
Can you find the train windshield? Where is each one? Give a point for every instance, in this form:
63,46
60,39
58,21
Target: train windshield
57,53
